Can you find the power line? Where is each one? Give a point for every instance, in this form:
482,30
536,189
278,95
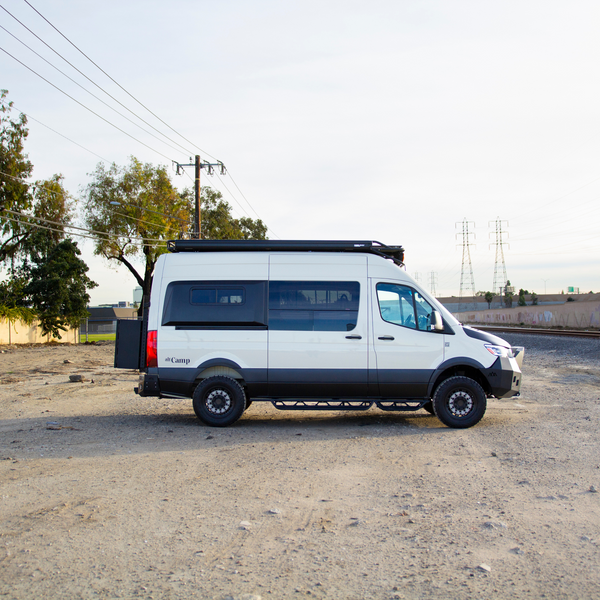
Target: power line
61,135
239,203
34,185
90,93
62,224
239,206
113,98
84,106
65,225
115,82
90,80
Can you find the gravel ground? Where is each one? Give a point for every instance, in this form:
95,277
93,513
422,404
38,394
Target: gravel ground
108,495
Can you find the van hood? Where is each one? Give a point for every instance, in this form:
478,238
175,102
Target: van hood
484,336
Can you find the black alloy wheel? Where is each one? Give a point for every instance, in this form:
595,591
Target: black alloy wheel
219,401
459,402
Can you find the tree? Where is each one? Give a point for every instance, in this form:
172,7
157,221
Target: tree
135,209
534,299
489,298
57,288
522,301
508,295
53,208
12,300
218,224
14,169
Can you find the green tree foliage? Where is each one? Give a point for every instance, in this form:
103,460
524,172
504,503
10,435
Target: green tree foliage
508,295
57,288
219,224
14,169
53,208
47,277
12,300
135,209
124,206
522,301
489,298
534,299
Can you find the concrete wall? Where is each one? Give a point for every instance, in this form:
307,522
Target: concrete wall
581,315
20,333
477,303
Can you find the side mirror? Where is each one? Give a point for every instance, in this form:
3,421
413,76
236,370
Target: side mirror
436,321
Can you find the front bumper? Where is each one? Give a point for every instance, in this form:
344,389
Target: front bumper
504,376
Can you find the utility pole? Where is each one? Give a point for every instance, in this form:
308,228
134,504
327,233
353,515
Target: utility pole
467,281
197,214
198,166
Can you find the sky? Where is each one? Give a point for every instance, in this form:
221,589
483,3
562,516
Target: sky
390,120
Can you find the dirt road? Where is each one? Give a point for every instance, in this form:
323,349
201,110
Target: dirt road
108,495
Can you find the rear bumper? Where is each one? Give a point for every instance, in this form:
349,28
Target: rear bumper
504,377
148,385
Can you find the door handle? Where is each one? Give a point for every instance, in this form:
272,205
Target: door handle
354,337
387,338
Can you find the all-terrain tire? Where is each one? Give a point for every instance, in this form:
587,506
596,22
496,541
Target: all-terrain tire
219,401
459,402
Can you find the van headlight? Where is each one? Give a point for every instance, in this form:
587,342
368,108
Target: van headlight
498,350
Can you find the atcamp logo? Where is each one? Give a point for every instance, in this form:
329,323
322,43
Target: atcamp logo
178,361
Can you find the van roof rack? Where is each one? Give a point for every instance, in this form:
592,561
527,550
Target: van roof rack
396,253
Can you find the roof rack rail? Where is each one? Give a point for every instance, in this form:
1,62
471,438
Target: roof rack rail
396,253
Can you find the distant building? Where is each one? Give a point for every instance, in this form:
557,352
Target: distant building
103,319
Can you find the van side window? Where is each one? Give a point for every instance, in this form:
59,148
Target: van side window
313,305
200,295
401,305
229,304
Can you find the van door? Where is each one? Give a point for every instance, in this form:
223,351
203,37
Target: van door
407,351
318,326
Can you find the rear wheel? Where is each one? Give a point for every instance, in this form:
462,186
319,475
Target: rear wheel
459,402
219,401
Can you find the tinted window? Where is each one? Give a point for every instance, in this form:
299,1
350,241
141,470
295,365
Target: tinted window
215,303
313,305
401,305
217,296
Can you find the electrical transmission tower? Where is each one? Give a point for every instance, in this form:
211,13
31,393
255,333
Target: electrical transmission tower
433,283
467,281
500,277
417,277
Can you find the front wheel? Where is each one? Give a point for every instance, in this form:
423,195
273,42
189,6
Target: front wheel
459,402
219,401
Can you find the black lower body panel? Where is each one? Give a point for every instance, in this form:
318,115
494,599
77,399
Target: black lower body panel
504,380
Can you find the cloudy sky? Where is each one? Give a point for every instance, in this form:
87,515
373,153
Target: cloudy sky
391,120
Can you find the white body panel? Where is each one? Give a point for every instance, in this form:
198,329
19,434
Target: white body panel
248,348
320,349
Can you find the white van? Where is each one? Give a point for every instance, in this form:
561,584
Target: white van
308,326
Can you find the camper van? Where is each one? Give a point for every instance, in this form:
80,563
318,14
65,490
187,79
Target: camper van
323,325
